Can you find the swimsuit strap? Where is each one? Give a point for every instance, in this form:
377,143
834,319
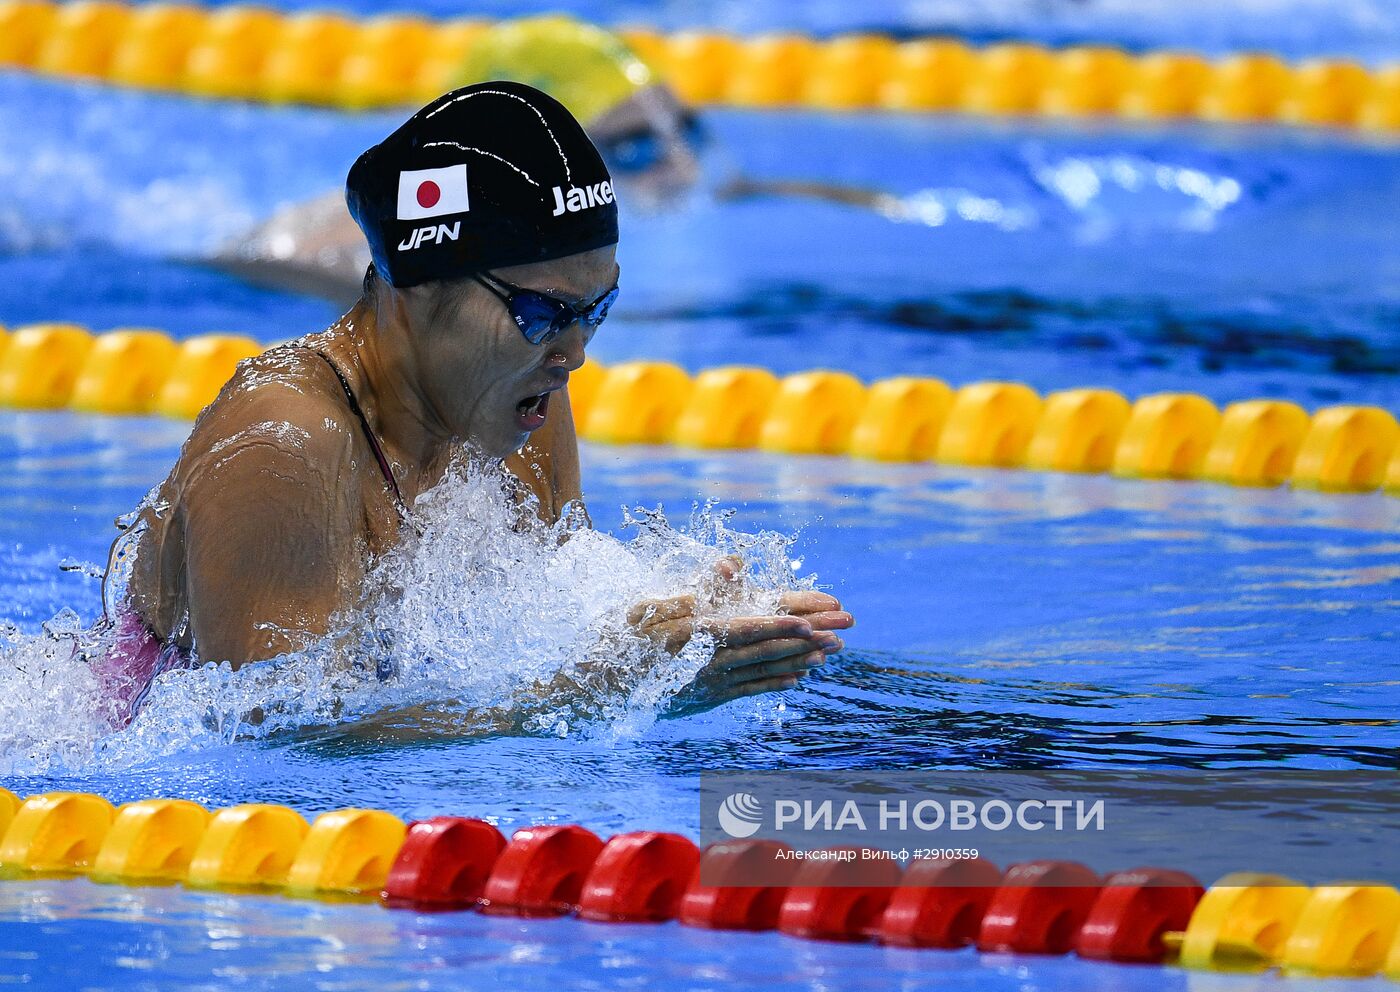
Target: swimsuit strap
369,434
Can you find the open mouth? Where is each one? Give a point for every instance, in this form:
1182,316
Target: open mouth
531,411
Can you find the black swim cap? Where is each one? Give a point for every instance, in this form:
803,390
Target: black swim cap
490,175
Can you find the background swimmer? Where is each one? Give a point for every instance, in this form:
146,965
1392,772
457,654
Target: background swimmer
480,301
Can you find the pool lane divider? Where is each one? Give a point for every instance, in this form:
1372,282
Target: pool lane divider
326,58
1245,922
1344,448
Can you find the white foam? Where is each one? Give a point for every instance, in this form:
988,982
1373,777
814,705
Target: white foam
486,621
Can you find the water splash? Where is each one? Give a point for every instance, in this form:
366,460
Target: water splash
1107,194
483,621
935,207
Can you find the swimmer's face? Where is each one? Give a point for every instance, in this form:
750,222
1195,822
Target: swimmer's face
486,382
648,143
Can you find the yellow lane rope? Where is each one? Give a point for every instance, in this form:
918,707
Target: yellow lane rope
1345,448
326,58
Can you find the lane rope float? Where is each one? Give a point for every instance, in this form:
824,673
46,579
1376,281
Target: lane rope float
326,58
1344,448
1246,921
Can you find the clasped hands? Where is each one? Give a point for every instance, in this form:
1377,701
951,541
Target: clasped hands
756,654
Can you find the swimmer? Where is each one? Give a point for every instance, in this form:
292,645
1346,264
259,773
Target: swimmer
491,222
646,135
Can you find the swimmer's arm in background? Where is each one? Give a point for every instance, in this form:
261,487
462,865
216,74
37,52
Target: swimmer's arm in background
548,465
271,525
745,188
315,247
312,247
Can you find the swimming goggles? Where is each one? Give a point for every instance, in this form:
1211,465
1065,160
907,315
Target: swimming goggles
543,318
643,148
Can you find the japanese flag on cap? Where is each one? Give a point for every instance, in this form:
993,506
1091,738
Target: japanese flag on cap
432,192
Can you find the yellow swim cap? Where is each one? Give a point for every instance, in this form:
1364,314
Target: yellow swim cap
587,69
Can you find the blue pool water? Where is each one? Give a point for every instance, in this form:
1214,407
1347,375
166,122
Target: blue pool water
1233,262
1005,619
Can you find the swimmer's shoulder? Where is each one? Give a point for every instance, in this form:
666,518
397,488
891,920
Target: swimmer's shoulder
286,399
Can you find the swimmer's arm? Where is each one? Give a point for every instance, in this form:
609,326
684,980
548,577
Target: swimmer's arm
271,546
746,188
758,654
